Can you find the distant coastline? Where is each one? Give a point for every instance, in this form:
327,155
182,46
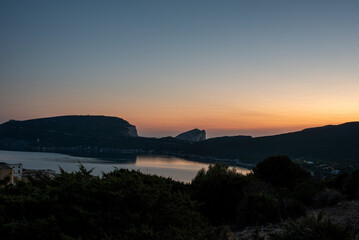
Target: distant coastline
113,152
97,135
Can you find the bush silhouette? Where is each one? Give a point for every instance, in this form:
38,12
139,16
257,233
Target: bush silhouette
258,208
351,185
280,171
121,205
218,190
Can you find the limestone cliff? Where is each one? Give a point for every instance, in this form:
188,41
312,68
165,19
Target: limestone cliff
194,135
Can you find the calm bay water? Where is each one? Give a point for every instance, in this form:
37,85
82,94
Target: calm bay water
177,168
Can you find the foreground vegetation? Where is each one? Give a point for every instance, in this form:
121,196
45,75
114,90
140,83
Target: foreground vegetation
130,205
313,227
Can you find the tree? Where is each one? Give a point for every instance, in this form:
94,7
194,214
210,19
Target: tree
218,190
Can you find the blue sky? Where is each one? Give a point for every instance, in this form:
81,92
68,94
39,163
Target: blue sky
230,67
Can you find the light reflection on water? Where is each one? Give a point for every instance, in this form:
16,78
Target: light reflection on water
177,168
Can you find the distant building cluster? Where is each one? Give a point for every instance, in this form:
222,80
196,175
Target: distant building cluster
10,173
320,168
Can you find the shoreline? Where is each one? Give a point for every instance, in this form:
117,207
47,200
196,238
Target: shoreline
111,152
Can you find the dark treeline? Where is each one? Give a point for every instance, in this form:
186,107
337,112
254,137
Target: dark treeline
130,205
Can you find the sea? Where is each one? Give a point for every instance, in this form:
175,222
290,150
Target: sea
179,169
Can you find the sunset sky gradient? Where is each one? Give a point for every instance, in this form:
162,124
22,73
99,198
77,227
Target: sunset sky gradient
230,67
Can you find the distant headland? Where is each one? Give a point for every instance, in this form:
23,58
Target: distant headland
332,143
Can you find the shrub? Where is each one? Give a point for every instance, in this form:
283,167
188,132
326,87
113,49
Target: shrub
351,185
328,198
256,185
218,190
312,227
120,205
347,183
337,182
305,191
291,208
258,208
280,171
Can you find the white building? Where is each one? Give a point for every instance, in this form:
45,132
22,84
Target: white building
17,170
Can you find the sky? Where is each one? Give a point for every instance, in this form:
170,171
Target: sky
254,67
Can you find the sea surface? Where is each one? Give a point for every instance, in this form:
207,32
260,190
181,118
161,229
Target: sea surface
176,168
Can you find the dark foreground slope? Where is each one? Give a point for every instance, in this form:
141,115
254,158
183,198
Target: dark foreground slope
120,205
329,143
131,205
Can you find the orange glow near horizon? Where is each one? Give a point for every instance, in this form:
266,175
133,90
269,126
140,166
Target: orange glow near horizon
249,109
229,116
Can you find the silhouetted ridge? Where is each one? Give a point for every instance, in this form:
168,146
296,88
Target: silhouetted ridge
90,134
99,126
337,143
332,143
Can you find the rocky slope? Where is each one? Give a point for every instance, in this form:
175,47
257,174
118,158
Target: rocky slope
194,135
343,213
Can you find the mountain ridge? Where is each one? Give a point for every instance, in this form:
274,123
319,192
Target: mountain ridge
330,143
82,125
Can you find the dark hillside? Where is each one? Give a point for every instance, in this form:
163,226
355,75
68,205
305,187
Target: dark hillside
330,143
79,133
334,143
100,126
